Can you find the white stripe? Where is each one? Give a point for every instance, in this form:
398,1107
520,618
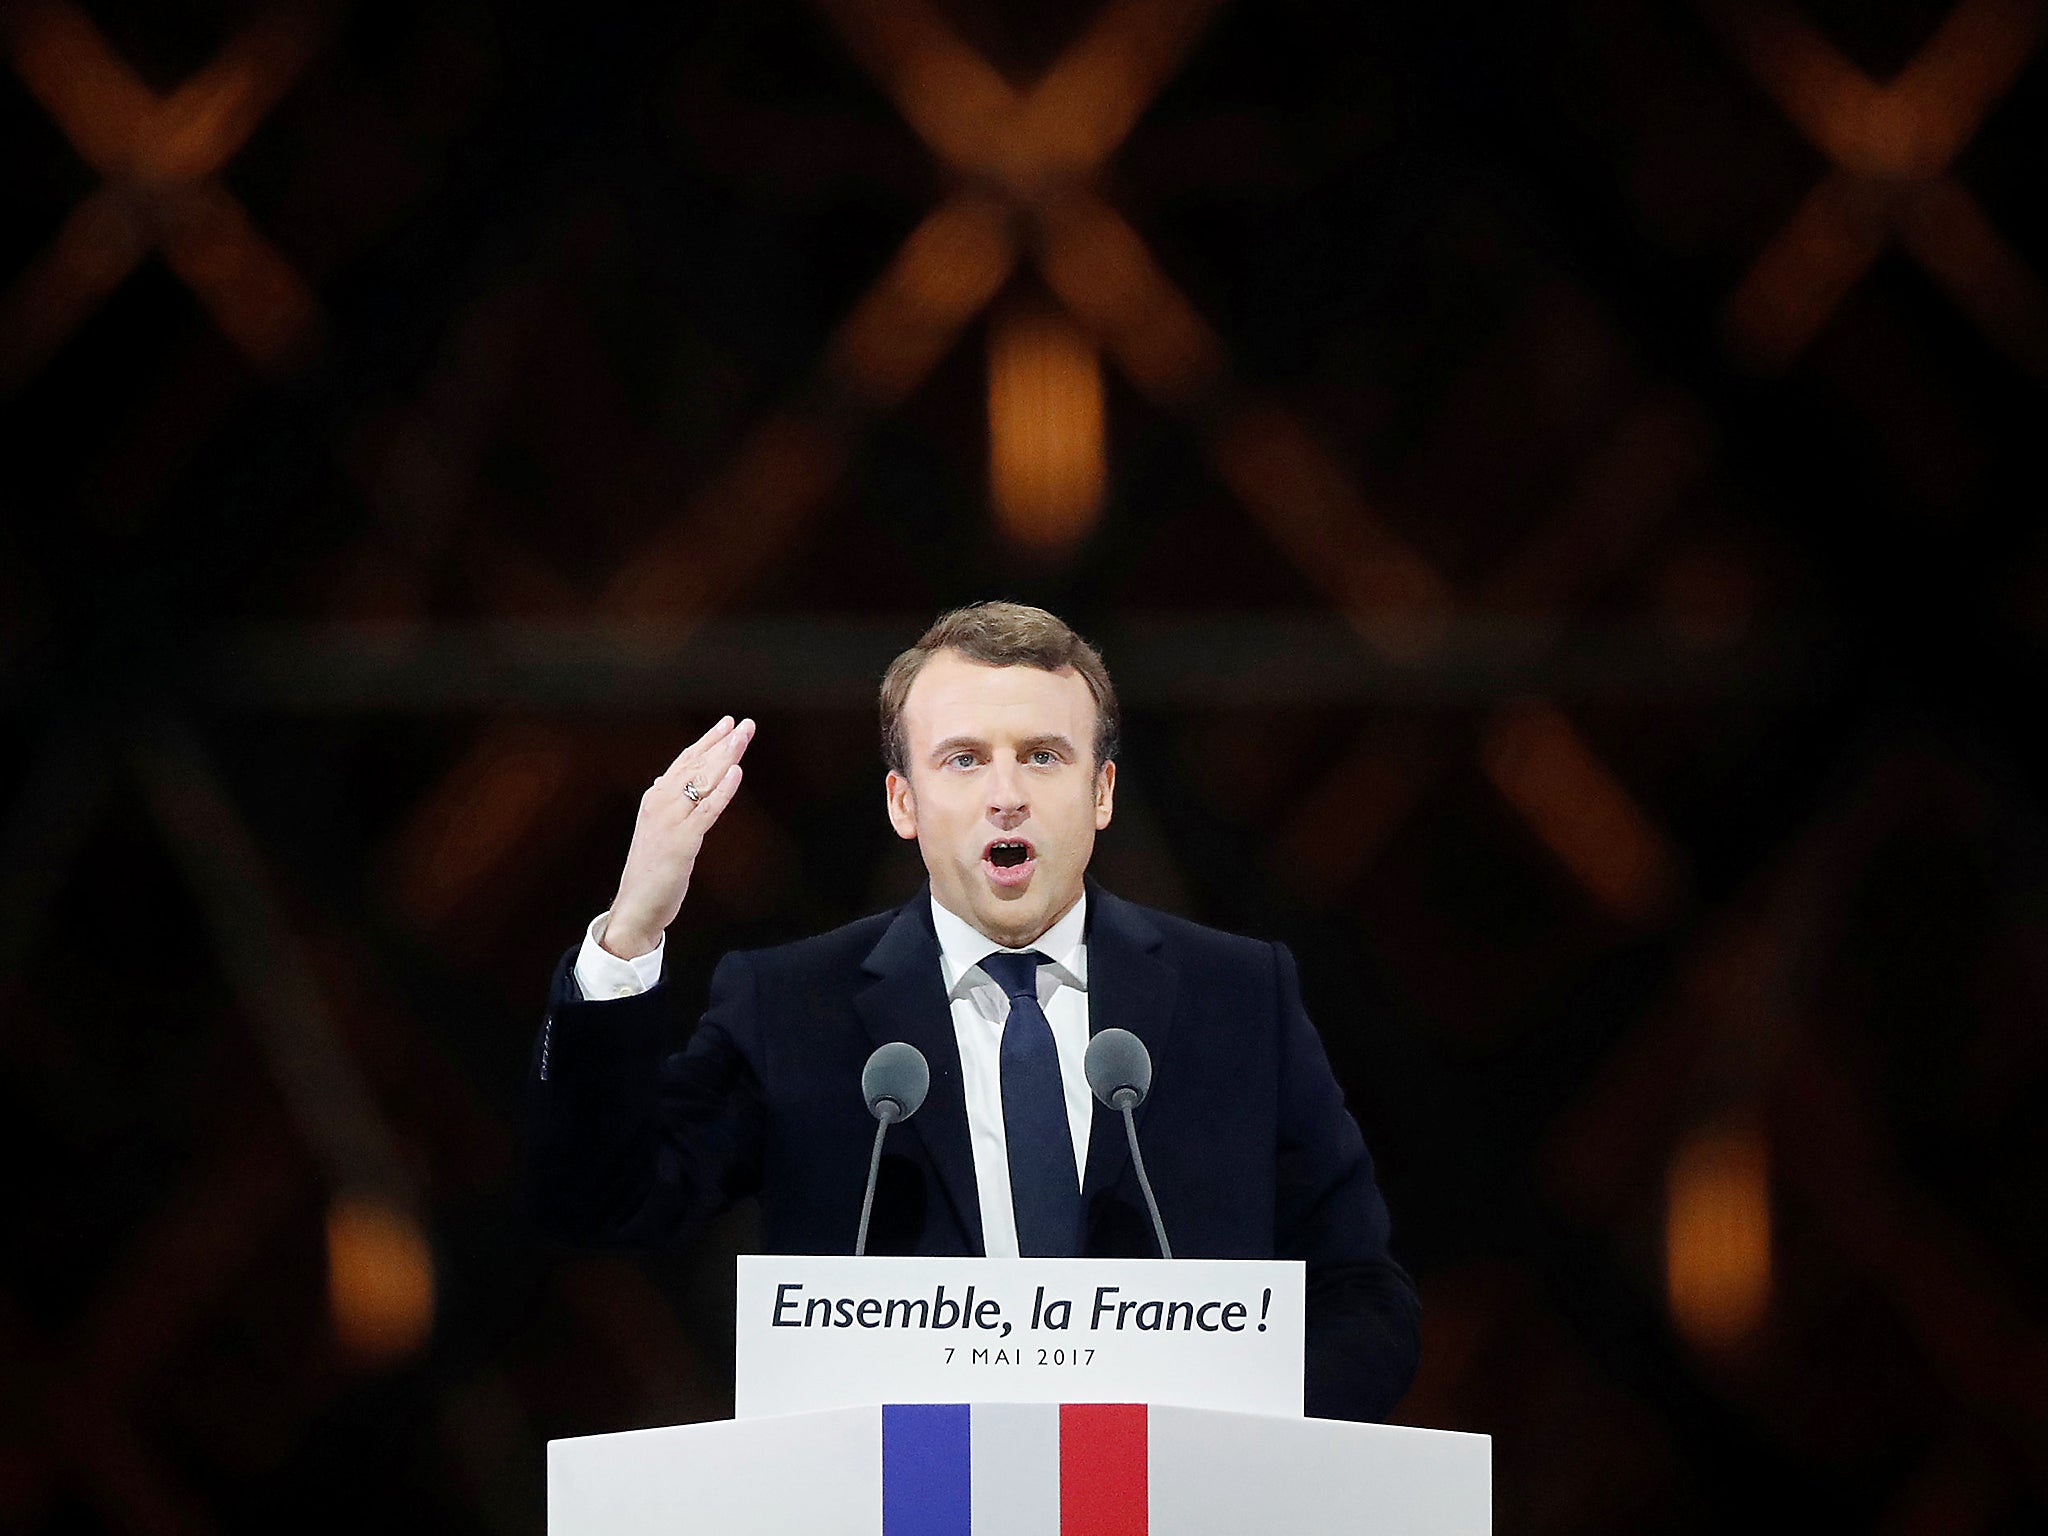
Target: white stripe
1015,1455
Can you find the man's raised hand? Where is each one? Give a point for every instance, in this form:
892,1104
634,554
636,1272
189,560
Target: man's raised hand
675,813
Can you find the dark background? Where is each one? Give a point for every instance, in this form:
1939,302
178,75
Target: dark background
1582,585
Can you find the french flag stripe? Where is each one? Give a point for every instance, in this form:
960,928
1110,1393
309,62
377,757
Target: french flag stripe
1104,1472
925,1469
1016,1459
1015,1469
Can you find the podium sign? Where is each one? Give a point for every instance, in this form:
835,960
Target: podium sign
835,1332
1179,1472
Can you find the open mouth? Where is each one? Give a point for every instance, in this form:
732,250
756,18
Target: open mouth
1009,860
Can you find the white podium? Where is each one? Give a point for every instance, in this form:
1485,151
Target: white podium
989,1465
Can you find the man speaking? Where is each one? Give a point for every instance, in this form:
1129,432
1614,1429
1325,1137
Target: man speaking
999,728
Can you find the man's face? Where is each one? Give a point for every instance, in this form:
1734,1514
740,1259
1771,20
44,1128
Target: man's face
1003,795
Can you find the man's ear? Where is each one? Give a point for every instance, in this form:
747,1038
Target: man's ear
1105,794
902,805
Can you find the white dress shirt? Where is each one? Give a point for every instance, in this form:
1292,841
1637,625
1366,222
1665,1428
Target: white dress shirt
980,1009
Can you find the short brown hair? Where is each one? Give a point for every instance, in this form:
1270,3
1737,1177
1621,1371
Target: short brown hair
999,635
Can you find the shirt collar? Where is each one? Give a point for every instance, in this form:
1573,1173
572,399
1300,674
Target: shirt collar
961,947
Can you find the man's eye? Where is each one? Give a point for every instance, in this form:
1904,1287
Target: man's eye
961,760
1045,757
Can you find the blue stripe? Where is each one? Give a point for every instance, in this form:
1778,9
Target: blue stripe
925,1469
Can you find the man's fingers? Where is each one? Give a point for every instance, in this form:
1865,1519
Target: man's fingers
689,754
723,725
704,762
721,755
718,797
731,749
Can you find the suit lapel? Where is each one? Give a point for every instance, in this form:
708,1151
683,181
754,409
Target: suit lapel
1129,987
906,1000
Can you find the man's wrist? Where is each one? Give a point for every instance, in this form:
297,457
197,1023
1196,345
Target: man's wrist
627,942
603,976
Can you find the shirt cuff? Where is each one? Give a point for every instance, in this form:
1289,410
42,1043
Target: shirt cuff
600,974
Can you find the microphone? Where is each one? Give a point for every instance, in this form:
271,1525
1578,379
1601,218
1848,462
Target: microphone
1119,1070
894,1083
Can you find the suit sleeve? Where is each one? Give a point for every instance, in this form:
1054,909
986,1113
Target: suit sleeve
1363,1337
627,1141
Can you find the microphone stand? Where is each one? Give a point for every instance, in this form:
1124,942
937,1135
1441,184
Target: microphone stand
1126,1100
887,1114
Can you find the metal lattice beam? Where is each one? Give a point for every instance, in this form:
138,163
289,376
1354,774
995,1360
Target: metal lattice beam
161,159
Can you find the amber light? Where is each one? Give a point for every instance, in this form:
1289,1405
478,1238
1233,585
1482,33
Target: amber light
1717,1233
1046,455
380,1279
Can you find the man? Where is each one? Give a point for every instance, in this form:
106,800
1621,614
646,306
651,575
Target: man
1000,732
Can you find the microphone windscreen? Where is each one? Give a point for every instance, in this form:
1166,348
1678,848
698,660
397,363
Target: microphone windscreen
897,1073
1116,1060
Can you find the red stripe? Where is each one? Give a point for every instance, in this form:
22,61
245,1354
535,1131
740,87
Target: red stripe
1104,1478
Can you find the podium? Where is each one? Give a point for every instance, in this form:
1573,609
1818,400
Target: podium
1013,1449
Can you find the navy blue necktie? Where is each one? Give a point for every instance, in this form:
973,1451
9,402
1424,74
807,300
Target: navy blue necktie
1043,1190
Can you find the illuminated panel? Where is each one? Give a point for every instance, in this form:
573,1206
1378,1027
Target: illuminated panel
1717,1233
380,1279
1045,431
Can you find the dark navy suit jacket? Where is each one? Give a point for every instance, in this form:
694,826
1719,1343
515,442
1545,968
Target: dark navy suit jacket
1250,1148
